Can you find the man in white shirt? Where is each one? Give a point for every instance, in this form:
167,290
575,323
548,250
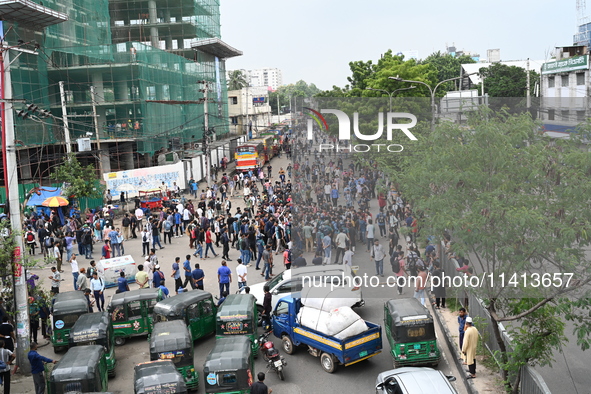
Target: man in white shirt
241,273
378,254
8,357
348,257
341,242
75,270
370,233
97,286
56,280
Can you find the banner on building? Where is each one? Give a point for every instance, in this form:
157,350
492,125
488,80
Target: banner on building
132,181
566,65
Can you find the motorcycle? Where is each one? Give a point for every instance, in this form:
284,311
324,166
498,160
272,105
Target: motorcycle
275,361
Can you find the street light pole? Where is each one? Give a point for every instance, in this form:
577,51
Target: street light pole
432,91
390,94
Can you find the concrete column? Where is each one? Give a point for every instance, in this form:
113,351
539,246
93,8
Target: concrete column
153,14
126,156
121,91
99,88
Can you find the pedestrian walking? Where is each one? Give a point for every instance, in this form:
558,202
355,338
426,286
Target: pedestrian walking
224,278
469,347
188,272
37,368
378,254
97,285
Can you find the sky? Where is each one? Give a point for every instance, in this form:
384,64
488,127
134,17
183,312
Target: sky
314,40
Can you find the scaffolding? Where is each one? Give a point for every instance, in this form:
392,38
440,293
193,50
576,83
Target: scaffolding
133,52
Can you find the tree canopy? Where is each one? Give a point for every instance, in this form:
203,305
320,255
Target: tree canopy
516,203
447,67
501,80
236,80
79,181
300,89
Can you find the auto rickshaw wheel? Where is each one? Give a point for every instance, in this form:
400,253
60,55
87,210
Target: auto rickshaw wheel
287,344
60,349
119,341
112,373
327,362
260,311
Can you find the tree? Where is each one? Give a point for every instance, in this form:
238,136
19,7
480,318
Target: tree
236,80
287,93
516,203
79,181
501,80
447,67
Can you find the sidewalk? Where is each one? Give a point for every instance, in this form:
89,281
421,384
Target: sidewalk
487,380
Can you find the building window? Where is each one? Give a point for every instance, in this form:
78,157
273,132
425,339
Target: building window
234,120
550,114
234,100
580,115
564,81
564,114
580,79
550,82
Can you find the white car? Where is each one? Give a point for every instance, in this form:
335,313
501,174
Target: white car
413,380
290,281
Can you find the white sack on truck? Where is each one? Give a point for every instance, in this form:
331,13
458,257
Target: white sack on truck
326,300
343,323
313,318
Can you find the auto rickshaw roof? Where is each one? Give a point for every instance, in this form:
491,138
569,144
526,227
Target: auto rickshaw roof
229,354
89,327
69,302
133,295
150,376
170,335
237,306
80,362
408,311
174,306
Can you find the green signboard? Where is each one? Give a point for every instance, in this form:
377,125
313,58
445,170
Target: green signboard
566,65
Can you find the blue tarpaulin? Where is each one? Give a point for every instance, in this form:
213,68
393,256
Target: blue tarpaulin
45,194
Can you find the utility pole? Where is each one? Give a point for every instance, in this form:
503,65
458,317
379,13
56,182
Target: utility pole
11,184
206,134
96,130
527,94
246,128
278,110
65,118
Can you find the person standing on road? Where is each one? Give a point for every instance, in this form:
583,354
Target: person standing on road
56,280
260,387
97,285
267,262
141,278
462,316
209,243
188,273
378,254
370,233
241,273
176,274
421,283
122,285
267,307
75,270
8,357
341,242
224,278
469,347
439,288
37,368
82,281
198,276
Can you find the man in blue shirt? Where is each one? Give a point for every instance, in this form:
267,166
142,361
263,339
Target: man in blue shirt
198,276
187,269
37,368
224,278
122,283
163,290
176,274
462,315
157,277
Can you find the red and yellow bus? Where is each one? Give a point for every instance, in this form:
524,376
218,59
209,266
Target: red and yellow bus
254,153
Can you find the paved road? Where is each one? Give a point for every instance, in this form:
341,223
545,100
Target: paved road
303,373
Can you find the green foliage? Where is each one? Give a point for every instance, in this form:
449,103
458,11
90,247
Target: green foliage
79,181
447,67
8,244
236,80
501,80
516,202
299,90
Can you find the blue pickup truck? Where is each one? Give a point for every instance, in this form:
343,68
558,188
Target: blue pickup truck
332,351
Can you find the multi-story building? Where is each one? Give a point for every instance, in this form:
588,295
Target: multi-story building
149,63
249,109
269,78
565,89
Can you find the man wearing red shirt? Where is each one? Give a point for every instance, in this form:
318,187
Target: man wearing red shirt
208,243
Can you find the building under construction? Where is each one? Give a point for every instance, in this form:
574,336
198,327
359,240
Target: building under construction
151,70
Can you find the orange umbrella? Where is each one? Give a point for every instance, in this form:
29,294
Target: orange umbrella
55,202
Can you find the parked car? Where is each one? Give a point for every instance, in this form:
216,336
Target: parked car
414,380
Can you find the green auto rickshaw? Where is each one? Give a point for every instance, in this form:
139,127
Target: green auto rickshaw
67,308
411,332
131,313
95,329
158,377
229,367
238,316
196,308
171,340
83,369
